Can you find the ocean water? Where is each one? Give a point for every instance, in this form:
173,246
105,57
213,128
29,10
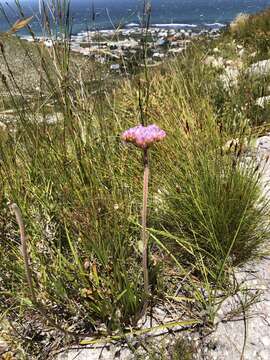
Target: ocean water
105,14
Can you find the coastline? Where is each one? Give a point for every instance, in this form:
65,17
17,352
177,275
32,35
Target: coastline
112,46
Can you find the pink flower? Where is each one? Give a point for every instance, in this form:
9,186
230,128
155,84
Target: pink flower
143,136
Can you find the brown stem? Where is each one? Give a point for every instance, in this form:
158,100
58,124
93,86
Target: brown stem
19,219
18,214
144,218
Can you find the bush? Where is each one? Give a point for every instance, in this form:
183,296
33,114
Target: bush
207,200
253,32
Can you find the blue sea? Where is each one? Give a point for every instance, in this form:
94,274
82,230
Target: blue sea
105,14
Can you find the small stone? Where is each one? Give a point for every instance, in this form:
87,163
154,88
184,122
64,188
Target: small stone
262,101
212,61
264,142
3,347
241,53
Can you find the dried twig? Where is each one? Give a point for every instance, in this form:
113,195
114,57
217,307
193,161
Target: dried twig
18,214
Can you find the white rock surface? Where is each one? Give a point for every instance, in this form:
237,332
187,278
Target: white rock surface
263,144
215,62
97,353
263,101
231,335
241,53
260,68
230,77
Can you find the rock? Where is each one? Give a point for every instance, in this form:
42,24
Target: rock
175,51
3,347
97,353
229,336
218,63
241,53
229,62
260,68
115,67
263,143
263,101
48,43
209,60
158,55
212,61
266,341
230,77
235,64
264,355
3,126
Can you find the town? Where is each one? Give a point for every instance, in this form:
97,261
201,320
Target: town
119,48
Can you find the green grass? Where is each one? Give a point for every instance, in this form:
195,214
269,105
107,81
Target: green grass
80,191
253,32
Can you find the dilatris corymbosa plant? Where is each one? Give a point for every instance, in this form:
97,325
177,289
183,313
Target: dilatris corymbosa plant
143,137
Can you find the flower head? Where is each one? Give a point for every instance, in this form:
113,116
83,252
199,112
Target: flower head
143,136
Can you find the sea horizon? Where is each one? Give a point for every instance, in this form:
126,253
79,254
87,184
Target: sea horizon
108,14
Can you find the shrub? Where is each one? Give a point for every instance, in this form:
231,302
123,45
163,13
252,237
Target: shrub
239,23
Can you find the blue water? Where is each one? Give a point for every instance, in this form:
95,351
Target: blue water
112,12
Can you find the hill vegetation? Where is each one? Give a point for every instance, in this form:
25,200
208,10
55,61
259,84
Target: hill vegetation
79,188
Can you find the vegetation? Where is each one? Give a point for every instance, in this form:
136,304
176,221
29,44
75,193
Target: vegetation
253,32
79,190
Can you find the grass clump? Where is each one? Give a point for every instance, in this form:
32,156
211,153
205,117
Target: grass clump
253,32
238,25
208,193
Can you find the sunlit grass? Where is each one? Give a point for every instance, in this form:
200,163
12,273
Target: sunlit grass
79,188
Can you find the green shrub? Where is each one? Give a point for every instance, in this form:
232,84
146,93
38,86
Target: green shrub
253,32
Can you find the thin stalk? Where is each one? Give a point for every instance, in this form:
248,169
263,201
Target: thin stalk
139,332
18,214
144,219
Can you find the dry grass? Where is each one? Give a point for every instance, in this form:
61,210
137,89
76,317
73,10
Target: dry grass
239,22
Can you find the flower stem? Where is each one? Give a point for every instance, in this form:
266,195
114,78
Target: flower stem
144,219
